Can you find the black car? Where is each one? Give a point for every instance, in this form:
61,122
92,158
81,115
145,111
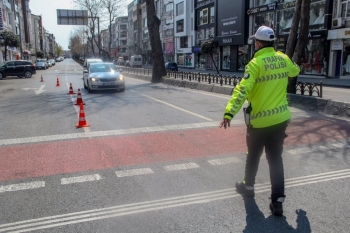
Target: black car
20,68
171,66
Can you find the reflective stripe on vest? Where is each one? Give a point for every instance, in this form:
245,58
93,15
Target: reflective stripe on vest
270,112
272,77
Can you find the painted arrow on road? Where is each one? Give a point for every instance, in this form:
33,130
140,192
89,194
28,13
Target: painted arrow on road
36,90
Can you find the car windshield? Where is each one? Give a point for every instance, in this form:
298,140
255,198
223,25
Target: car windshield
98,68
40,63
113,67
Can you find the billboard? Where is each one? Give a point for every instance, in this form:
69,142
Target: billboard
72,17
232,20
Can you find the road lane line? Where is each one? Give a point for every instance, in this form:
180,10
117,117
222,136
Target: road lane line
224,161
134,172
183,166
80,179
176,107
22,186
117,132
140,207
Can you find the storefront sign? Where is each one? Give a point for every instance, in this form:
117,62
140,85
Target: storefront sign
342,33
231,21
337,45
292,4
183,50
257,10
196,49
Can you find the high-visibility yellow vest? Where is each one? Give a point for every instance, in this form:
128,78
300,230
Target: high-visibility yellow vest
265,86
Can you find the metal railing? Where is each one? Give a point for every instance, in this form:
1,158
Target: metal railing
302,88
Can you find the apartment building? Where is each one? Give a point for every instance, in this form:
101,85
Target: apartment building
134,44
183,32
121,36
165,12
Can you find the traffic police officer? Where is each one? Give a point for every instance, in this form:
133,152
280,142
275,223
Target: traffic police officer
264,85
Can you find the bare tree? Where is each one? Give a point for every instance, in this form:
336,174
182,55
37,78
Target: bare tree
296,42
114,8
153,23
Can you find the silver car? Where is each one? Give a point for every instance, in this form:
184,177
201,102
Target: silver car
100,76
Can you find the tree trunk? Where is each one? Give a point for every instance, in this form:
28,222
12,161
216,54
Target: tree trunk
212,58
291,43
293,35
153,23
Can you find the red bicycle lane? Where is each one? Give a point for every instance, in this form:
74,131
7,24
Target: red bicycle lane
62,157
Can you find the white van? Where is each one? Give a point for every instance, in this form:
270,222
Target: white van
136,61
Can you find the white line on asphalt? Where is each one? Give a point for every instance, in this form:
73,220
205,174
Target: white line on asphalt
134,172
312,149
111,133
181,109
224,161
80,179
22,186
183,166
300,150
141,207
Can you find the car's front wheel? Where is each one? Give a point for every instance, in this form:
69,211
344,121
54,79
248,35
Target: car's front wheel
27,74
88,87
85,87
2,75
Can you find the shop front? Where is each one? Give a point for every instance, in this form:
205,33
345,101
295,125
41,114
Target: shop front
184,57
315,55
339,61
232,34
169,50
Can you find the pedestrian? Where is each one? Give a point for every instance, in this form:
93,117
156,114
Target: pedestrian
264,85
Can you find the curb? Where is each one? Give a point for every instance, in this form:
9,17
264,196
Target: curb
311,103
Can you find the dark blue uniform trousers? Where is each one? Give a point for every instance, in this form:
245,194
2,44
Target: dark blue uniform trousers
271,138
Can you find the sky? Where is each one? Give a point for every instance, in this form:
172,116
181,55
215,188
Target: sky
48,10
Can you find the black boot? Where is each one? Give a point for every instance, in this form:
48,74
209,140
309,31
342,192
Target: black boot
241,189
276,207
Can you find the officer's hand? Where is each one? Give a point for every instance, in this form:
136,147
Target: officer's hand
225,122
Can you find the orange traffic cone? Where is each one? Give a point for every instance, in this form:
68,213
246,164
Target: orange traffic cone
79,99
58,83
71,92
42,80
82,121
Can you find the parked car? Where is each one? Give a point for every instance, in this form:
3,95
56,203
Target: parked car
100,76
120,61
52,61
58,59
171,66
20,68
40,65
127,63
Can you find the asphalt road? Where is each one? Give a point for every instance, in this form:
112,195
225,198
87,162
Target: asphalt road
154,160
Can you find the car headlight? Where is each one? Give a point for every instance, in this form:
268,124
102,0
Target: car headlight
94,79
121,78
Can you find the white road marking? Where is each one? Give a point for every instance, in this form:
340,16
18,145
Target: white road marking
308,149
183,166
117,132
224,161
80,179
178,108
340,145
300,150
22,186
134,172
166,203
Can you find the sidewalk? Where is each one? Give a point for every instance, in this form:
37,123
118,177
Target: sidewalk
331,82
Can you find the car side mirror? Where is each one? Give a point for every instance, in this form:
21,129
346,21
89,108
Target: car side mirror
85,71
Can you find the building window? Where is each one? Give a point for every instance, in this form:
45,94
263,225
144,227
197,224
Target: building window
179,8
122,27
203,16
180,26
184,42
212,14
144,22
169,7
345,9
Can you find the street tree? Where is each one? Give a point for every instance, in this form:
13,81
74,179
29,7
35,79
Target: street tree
93,8
76,46
153,23
209,47
10,39
113,9
298,37
58,50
